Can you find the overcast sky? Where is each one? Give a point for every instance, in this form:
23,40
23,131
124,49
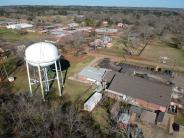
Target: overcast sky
129,3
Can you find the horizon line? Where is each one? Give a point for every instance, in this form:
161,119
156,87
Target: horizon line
92,6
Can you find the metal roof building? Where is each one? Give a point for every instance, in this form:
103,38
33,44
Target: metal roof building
92,74
90,104
19,26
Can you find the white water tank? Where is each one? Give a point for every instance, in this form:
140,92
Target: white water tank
42,54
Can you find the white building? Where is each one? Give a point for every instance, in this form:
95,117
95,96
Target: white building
19,26
90,104
73,26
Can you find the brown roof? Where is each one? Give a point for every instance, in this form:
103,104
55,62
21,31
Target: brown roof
141,88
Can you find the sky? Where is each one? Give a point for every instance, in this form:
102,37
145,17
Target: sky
120,3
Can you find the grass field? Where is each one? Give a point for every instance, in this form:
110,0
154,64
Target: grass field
77,63
14,36
75,89
159,49
21,82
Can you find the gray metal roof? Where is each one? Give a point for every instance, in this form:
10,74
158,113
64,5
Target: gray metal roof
93,73
140,88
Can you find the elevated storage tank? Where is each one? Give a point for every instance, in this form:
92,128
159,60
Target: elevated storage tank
39,57
42,53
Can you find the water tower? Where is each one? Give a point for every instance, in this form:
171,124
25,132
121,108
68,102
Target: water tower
39,58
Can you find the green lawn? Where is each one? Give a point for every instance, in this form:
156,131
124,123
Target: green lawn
14,36
72,90
21,82
75,89
160,49
76,66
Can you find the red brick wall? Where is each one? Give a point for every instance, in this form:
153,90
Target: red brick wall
150,105
139,102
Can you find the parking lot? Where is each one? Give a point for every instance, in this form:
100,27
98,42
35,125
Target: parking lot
129,68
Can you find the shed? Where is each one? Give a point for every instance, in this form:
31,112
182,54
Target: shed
90,104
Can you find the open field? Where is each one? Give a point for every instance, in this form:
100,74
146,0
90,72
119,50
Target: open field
21,82
75,89
14,36
77,63
159,49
